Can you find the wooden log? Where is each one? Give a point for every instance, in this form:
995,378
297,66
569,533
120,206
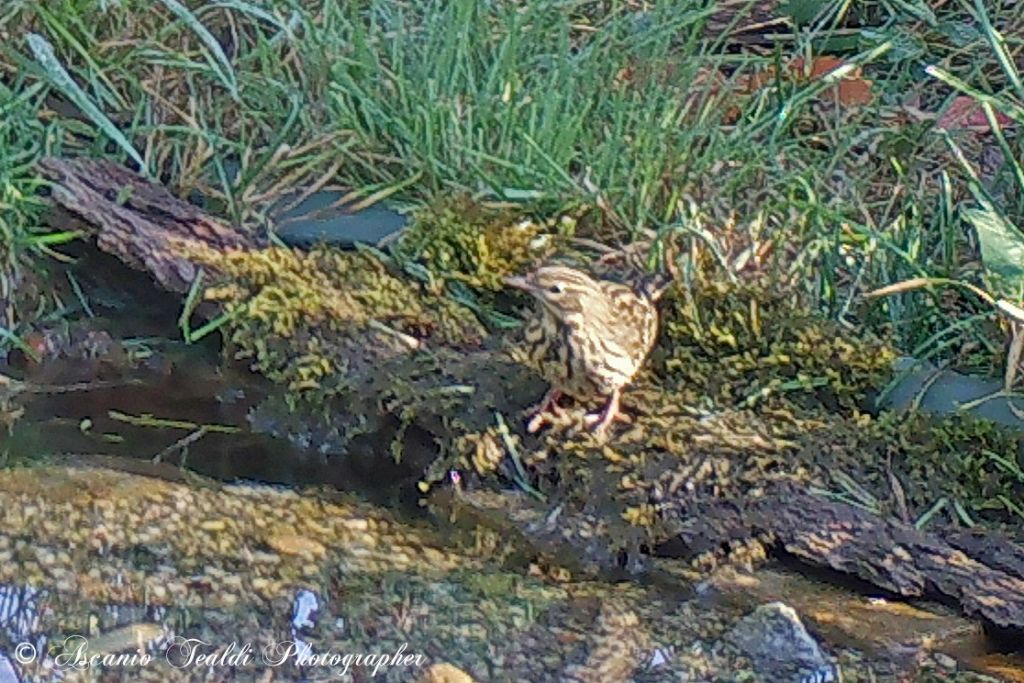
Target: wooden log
986,578
993,549
138,221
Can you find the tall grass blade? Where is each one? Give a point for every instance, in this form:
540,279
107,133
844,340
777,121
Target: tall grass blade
61,79
998,44
1008,153
218,61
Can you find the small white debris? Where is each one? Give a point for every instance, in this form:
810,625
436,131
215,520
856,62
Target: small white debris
304,609
661,657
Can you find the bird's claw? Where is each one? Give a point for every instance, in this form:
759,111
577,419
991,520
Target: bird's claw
541,417
597,422
600,421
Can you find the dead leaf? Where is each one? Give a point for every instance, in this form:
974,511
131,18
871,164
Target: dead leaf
965,113
820,66
853,90
748,84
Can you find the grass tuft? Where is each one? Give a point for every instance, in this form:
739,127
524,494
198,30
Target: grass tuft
678,119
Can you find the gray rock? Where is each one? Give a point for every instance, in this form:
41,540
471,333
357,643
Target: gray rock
319,218
944,392
779,646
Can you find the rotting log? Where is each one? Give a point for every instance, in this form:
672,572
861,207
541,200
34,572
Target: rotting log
993,549
138,221
984,575
145,226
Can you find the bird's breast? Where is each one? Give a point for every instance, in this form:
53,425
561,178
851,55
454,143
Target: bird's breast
595,346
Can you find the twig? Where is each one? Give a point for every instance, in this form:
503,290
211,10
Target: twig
182,443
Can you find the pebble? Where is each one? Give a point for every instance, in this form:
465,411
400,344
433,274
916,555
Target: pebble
445,673
778,644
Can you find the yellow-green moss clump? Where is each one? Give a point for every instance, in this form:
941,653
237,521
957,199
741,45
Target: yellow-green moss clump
303,318
745,345
460,240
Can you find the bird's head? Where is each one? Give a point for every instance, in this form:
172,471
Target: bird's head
563,291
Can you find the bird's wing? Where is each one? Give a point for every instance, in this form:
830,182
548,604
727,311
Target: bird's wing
618,358
624,333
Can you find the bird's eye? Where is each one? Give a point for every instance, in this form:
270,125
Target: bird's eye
556,288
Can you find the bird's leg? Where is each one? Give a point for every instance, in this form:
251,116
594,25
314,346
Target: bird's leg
599,422
547,404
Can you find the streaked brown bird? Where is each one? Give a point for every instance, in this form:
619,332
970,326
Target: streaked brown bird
588,338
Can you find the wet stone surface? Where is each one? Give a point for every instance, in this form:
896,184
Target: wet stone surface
113,560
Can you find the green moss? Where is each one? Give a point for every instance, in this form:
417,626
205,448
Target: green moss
755,345
964,460
457,239
306,319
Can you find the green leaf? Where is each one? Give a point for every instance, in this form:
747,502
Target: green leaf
802,12
1002,244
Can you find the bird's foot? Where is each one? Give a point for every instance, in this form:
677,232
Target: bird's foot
600,421
544,410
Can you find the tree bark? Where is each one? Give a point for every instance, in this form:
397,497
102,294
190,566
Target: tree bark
138,221
983,574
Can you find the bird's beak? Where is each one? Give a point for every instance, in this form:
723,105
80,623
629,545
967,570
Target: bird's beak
518,282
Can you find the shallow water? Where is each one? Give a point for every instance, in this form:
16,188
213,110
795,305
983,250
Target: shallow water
111,421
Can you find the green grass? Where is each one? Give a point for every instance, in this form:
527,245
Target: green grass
22,140
528,102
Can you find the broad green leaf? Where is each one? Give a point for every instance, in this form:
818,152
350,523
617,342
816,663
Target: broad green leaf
802,12
1002,244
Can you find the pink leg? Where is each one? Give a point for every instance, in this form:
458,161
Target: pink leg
599,421
547,404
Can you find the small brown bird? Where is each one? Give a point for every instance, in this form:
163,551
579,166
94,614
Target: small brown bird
589,338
